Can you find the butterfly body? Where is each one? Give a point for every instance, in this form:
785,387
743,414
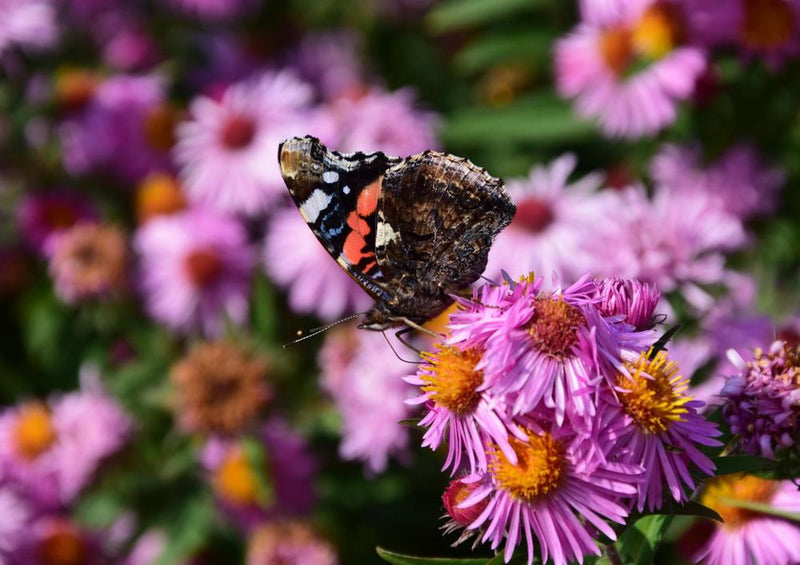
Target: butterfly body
411,232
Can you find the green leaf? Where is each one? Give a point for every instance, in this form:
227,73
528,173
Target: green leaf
765,509
727,465
191,528
457,14
400,559
542,119
256,456
265,322
639,542
508,46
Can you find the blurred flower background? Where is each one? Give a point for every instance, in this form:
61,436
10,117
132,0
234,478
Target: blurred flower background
152,264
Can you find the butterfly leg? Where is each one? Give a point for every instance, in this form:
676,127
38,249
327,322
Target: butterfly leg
404,342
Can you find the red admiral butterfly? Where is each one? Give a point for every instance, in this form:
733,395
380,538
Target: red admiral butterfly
410,231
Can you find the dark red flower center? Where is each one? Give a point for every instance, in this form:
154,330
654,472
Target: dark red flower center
59,216
554,326
534,215
204,266
238,132
63,547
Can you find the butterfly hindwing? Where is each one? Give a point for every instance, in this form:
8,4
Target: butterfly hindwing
337,195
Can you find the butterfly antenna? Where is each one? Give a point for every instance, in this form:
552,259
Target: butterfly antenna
317,331
397,354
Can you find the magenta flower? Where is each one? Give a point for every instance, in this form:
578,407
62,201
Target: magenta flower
227,150
215,10
126,130
30,24
743,184
52,450
554,221
377,121
626,67
364,378
562,492
41,216
661,428
195,270
632,300
761,401
315,283
746,536
458,411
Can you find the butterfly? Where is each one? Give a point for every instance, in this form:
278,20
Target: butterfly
412,232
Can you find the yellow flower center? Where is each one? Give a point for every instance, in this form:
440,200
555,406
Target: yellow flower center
159,127
541,467
554,326
453,381
659,31
616,46
654,393
767,24
33,432
735,487
159,194
235,480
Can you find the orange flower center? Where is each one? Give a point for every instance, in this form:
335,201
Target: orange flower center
541,468
659,31
74,88
204,266
159,194
534,215
616,46
235,480
554,326
721,490
33,432
453,382
768,24
653,395
238,132
63,546
159,127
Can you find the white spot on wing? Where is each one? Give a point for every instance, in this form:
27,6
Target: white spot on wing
384,234
346,189
314,205
330,176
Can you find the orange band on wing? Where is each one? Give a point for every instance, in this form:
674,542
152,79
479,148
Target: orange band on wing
368,198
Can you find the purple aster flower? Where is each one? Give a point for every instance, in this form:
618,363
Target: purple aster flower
125,130
41,216
458,412
16,516
662,428
251,491
743,184
53,450
288,543
761,402
195,270
364,377
30,24
57,539
553,222
562,491
748,536
458,518
226,151
331,62
674,241
315,284
634,301
377,121
215,10
626,66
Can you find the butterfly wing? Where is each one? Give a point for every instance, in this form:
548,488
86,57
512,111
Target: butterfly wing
337,195
438,216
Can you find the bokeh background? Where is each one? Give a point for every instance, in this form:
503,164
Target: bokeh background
152,265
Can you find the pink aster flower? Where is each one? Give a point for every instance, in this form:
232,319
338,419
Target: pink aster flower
41,216
16,516
125,130
195,270
249,490
632,300
215,10
675,241
627,68
288,543
553,222
377,121
743,184
562,492
316,284
52,450
661,428
747,536
458,412
761,401
227,150
364,378
30,24
331,62
57,539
